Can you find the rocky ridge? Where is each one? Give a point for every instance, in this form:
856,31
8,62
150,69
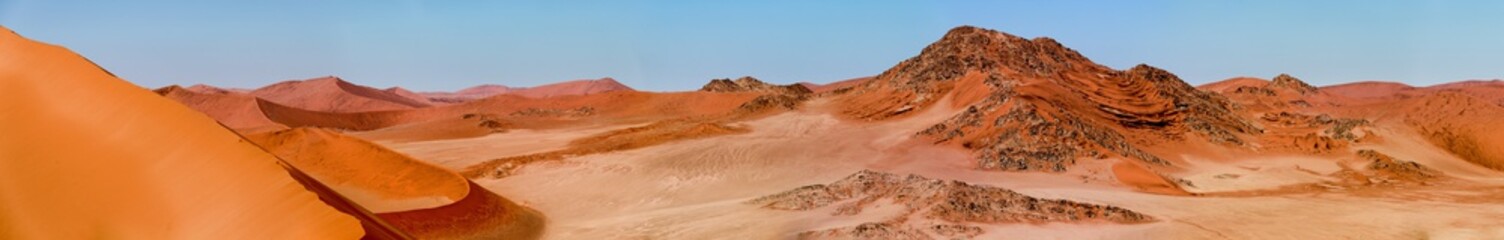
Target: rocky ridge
750,84
1285,81
935,207
774,96
1033,104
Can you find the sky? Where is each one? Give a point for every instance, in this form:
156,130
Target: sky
680,45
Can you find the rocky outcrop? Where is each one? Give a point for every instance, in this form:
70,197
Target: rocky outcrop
1029,140
489,122
1387,166
771,102
1033,104
785,97
750,84
1332,133
1285,81
935,207
554,112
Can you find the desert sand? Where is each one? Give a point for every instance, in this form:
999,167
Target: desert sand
380,180
115,161
982,135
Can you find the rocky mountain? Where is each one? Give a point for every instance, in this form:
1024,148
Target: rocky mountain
1033,104
1285,81
750,84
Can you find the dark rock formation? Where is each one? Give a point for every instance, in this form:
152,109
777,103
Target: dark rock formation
750,84
936,206
1047,105
1387,166
1285,81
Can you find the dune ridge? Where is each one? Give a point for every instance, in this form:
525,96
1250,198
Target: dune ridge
152,145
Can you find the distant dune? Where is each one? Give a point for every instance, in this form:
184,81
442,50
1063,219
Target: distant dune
567,88
332,94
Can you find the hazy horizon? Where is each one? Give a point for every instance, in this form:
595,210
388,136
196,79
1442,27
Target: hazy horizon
671,45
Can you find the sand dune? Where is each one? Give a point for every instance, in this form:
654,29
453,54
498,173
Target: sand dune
421,199
113,160
332,94
567,88
410,95
376,178
832,86
238,111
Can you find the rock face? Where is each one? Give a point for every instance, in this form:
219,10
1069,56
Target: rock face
1306,133
1036,105
774,96
1285,81
1385,170
750,84
935,207
1388,166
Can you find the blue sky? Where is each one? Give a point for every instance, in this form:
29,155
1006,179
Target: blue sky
679,45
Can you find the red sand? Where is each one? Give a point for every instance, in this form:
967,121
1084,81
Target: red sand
235,110
377,178
331,94
832,86
567,88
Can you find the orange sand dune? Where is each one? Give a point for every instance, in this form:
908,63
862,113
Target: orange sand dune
113,160
467,94
201,88
480,215
469,119
377,178
571,88
249,114
495,114
410,95
332,94
295,117
1283,93
421,199
1491,90
235,110
1368,89
1232,84
467,126
1458,122
566,88
832,86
